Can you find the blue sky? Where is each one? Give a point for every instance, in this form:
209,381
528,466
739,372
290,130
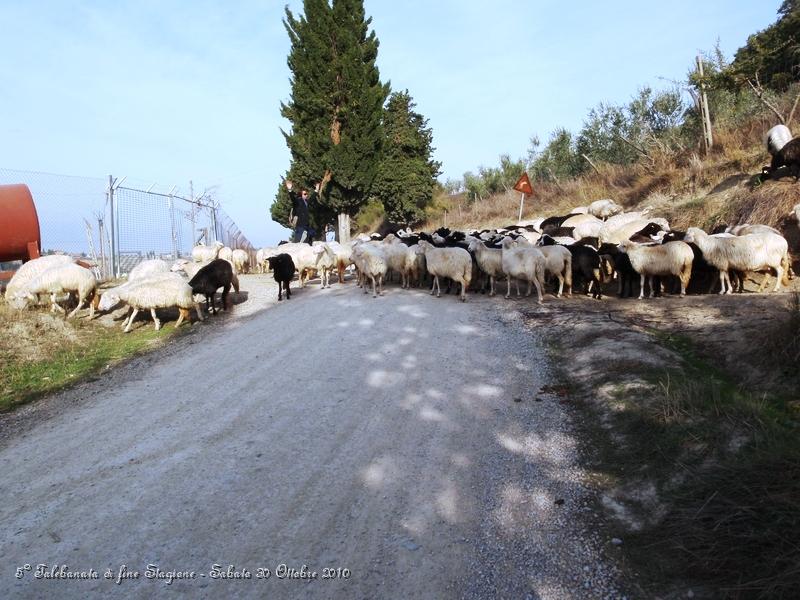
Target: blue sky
171,91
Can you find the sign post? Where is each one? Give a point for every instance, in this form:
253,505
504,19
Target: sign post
523,186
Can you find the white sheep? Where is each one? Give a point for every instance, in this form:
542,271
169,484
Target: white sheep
240,260
604,209
776,138
490,261
747,229
167,290
584,226
370,261
32,269
453,263
225,253
754,252
523,262
620,234
399,258
203,253
558,262
67,278
326,262
148,267
579,210
660,260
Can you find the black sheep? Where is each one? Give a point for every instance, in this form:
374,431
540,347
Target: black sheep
216,274
788,156
551,224
586,267
283,270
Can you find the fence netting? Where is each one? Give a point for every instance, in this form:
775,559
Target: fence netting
117,226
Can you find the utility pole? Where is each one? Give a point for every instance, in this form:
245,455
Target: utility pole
708,140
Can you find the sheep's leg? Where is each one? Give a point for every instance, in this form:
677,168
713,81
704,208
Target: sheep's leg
538,285
380,285
560,284
156,322
778,277
438,286
433,286
508,288
374,287
130,322
491,285
516,281
200,316
641,287
183,313
55,306
463,291
77,308
530,288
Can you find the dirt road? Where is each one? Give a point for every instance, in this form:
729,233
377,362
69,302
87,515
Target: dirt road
399,438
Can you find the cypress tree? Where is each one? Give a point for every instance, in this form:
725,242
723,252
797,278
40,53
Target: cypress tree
335,107
407,173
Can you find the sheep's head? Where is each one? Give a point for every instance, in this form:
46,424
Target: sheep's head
692,234
20,300
108,300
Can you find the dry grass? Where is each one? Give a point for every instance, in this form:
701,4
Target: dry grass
42,353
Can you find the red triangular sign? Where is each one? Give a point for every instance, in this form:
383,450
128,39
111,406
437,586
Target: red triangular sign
524,184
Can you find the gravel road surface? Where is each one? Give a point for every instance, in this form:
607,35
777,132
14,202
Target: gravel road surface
399,438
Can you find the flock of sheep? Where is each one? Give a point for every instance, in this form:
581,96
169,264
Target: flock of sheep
591,245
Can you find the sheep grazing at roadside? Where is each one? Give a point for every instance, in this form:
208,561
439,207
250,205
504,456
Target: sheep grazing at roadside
623,232
283,271
673,258
65,278
603,209
523,262
32,269
490,261
203,253
162,290
370,261
788,156
397,258
147,268
558,263
586,268
216,274
754,252
453,263
241,260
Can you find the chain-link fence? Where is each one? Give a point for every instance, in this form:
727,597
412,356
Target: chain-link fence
117,225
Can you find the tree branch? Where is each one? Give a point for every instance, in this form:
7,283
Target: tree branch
794,107
594,166
759,92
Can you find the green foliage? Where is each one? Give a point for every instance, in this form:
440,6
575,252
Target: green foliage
407,173
773,54
493,180
558,159
336,104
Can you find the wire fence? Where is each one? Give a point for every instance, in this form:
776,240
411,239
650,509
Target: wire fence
117,226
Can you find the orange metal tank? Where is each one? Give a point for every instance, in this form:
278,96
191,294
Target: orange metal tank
19,224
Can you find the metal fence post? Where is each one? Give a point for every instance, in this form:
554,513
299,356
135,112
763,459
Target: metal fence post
172,223
114,256
214,222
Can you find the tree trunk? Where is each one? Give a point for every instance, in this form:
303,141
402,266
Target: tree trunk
344,228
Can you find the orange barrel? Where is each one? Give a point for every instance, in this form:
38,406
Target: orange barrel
19,224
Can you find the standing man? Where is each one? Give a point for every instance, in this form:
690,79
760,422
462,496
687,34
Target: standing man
298,217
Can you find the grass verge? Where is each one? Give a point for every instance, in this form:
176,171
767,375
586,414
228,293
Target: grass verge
702,476
42,353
